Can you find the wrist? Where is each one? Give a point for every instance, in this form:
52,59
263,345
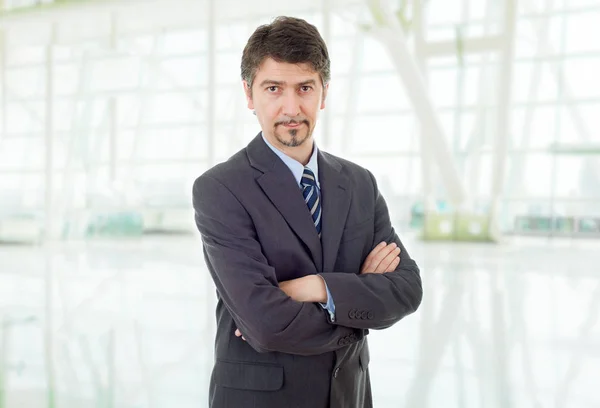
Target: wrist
320,289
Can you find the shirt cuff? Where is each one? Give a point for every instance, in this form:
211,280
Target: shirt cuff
330,305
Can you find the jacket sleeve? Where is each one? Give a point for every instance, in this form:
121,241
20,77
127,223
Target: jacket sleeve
269,319
377,301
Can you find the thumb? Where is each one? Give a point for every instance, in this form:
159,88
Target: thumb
238,333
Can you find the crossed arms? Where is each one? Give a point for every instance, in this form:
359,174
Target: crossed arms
283,316
383,258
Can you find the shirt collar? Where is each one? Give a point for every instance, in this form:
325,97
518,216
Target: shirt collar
295,166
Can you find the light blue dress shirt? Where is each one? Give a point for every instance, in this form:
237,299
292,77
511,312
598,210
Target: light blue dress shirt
297,170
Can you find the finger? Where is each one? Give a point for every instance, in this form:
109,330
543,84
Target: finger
393,265
378,259
384,258
387,261
372,259
372,254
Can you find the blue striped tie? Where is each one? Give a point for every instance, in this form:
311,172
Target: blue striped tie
312,197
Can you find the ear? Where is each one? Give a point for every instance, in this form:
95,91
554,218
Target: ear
248,92
325,89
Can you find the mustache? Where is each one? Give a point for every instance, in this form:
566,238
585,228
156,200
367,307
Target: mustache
292,122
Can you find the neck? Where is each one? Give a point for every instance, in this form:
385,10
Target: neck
300,153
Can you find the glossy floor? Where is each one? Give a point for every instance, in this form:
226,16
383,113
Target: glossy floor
128,324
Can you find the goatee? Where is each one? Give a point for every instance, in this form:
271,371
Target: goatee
296,138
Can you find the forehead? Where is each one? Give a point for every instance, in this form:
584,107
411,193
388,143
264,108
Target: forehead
285,72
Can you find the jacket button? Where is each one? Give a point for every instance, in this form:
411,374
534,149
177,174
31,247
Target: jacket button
352,314
336,372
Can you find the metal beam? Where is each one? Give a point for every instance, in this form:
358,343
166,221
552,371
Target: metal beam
579,149
56,5
391,35
468,46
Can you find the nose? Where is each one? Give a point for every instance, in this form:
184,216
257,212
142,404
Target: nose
291,105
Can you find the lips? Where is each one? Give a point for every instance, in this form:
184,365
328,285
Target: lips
292,125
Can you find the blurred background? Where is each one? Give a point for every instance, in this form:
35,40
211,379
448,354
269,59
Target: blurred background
479,118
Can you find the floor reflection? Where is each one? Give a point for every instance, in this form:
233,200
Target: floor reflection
129,324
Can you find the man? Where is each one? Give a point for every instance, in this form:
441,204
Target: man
298,243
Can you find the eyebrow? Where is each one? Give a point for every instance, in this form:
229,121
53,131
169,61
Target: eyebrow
280,83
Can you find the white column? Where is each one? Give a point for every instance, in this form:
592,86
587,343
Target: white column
48,325
352,96
112,111
112,139
210,297
3,82
325,137
48,137
426,156
212,95
49,225
504,111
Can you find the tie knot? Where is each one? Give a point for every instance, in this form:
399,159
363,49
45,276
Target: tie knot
308,178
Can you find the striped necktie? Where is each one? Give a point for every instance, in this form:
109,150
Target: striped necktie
312,197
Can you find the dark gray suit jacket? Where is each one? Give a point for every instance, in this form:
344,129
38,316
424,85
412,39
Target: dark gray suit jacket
257,231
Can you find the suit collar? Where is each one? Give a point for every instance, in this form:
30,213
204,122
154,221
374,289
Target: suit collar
279,185
260,156
335,201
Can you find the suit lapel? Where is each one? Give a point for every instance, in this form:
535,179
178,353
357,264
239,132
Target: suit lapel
278,183
335,198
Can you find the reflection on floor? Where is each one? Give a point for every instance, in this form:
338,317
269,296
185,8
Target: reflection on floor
129,324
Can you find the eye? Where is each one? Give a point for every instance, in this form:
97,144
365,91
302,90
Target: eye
305,88
272,88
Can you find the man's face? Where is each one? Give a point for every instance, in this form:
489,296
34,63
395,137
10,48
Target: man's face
286,98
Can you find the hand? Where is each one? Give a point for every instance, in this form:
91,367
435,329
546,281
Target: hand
238,333
382,259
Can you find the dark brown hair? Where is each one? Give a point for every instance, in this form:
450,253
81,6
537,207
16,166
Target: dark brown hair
286,39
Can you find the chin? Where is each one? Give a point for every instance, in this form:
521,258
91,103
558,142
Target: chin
290,140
